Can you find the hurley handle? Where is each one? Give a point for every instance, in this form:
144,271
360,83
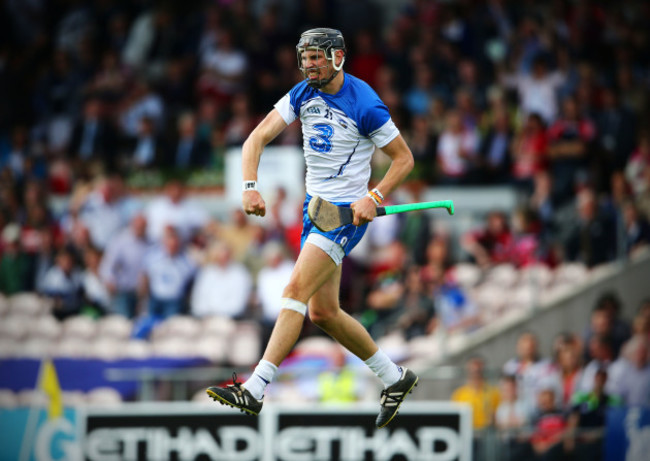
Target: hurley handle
392,209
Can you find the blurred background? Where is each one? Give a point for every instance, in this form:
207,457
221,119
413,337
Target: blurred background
127,263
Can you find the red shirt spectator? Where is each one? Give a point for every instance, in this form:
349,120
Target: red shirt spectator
549,427
530,148
639,161
490,245
366,61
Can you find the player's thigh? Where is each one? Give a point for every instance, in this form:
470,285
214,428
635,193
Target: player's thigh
325,302
313,269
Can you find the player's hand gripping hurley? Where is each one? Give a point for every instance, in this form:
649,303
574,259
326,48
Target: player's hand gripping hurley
327,216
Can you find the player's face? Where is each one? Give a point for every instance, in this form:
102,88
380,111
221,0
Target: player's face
314,64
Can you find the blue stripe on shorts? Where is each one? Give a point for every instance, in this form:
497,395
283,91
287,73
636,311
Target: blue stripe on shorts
347,236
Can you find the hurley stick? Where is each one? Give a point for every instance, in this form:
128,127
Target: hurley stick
326,216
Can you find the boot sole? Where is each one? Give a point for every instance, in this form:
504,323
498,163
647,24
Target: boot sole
217,398
415,383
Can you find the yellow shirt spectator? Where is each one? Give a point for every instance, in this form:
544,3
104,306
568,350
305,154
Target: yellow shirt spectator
484,402
481,397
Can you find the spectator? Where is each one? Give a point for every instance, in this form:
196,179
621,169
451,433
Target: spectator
43,260
537,90
223,69
367,58
147,149
168,272
339,383
570,140
271,280
532,372
616,126
637,229
529,152
383,299
591,238
242,121
95,295
419,97
62,283
549,426
542,204
177,85
111,78
93,140
492,244
457,151
496,149
638,162
122,265
634,386
103,212
56,99
423,147
633,94
14,264
512,418
415,231
466,106
19,152
191,151
525,248
223,287
239,233
601,349
642,198
140,102
512,413
586,423
481,397
605,320
641,323
568,371
286,218
416,315
456,311
151,42
174,209
469,81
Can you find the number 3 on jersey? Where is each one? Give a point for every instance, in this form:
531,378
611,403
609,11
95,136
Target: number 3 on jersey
322,141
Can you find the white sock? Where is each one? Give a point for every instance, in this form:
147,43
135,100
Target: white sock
384,368
264,374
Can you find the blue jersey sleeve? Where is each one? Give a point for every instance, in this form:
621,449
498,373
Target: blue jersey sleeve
373,118
372,113
300,93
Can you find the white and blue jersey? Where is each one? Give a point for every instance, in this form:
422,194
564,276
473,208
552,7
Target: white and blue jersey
340,133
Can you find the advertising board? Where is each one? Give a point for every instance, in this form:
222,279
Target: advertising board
426,431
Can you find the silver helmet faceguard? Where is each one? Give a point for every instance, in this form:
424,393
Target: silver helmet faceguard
327,41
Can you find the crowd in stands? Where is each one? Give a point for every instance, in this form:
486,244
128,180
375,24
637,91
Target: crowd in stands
554,407
486,93
549,98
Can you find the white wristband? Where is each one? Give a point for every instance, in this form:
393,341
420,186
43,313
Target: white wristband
249,185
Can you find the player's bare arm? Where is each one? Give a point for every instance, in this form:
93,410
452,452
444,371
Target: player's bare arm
365,209
264,133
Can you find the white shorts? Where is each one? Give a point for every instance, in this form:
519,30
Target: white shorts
333,249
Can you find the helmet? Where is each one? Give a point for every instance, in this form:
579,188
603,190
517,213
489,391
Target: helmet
325,40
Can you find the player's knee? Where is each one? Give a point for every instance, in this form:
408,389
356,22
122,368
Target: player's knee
292,291
321,316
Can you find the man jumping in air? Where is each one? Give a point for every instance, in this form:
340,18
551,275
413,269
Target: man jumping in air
343,120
